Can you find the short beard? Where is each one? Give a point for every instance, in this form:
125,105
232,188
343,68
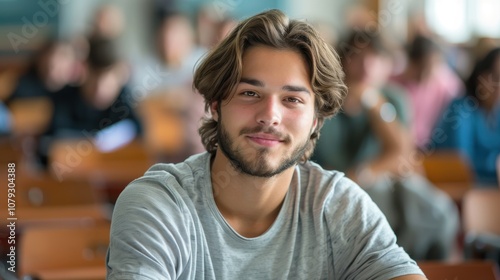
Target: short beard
258,168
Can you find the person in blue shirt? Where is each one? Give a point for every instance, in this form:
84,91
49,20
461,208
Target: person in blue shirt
471,124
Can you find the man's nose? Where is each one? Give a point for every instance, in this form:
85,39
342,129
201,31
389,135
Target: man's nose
269,112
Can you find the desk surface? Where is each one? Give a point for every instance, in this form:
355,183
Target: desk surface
472,270
79,214
89,273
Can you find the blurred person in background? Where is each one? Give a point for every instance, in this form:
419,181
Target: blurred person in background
430,84
471,124
177,49
170,72
53,67
370,141
100,104
176,56
481,47
207,25
108,22
213,24
367,66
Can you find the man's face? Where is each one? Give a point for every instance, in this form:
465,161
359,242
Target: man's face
266,123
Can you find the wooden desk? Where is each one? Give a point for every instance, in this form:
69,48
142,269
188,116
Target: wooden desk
64,252
456,191
473,270
90,273
79,215
44,200
122,165
450,172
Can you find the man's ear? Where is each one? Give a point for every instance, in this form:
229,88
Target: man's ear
315,124
314,132
214,110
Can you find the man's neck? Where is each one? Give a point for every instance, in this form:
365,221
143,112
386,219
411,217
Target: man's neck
249,204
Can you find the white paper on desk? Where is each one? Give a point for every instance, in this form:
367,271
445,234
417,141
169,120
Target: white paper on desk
115,136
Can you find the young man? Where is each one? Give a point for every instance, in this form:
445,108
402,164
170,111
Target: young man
253,207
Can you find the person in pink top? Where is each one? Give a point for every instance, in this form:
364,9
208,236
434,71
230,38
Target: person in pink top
431,86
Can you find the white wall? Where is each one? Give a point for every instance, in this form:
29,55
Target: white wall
330,11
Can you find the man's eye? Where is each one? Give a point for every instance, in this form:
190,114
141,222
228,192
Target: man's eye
293,100
249,93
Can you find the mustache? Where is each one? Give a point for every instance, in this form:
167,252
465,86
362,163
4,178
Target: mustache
267,130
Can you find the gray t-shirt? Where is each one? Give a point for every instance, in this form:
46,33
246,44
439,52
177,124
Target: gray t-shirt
166,225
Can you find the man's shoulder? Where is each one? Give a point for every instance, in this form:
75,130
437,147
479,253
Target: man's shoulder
331,186
168,182
172,178
189,169
338,199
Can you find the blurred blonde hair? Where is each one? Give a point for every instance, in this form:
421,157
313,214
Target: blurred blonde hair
220,71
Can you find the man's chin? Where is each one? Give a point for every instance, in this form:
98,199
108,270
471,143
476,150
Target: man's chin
264,169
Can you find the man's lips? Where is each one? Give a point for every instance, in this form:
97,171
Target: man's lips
268,140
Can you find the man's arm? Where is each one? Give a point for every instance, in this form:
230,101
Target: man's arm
364,246
149,234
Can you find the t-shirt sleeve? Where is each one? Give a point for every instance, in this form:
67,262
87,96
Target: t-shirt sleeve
149,233
363,244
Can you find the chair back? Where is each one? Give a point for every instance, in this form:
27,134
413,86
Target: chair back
449,171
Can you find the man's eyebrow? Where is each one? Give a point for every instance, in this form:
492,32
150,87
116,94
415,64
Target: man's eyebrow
258,83
296,89
252,82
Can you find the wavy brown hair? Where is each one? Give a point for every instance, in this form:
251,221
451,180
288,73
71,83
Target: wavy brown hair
220,71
